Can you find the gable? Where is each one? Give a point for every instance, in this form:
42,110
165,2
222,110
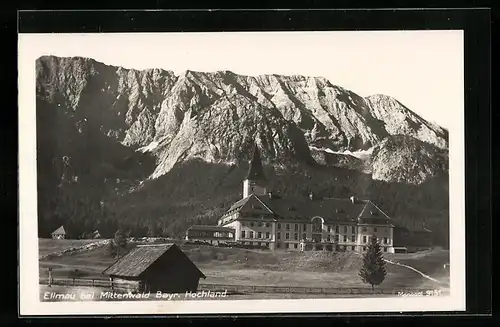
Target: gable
255,206
174,259
371,214
59,231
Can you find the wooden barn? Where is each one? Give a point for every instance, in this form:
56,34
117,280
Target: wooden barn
152,268
59,234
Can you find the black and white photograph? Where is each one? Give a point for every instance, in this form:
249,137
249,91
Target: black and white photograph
242,172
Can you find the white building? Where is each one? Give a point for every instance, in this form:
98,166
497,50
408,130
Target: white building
304,223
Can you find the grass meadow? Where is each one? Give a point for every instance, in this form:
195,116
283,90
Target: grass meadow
260,268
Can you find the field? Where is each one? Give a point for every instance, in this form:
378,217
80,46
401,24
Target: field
47,246
265,268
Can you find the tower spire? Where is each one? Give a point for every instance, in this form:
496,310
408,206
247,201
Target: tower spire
255,180
255,171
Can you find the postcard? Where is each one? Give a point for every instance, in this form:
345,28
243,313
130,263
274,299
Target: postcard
245,172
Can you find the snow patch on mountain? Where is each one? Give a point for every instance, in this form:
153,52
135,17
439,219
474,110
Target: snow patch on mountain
360,154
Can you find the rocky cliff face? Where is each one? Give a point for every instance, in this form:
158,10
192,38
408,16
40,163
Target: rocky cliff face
404,159
216,116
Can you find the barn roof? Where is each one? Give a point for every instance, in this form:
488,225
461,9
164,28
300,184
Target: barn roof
59,231
211,228
139,260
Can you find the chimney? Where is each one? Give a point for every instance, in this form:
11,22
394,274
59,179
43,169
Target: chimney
270,194
353,199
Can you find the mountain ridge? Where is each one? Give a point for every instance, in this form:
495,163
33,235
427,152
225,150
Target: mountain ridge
163,111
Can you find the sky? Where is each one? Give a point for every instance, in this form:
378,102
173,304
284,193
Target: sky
421,69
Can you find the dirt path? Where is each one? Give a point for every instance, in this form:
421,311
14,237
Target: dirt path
411,268
415,270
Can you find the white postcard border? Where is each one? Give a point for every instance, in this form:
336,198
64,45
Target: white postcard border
28,246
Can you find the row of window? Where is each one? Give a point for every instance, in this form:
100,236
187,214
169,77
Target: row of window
386,240
352,248
296,246
296,227
209,234
329,238
251,234
329,228
259,224
227,219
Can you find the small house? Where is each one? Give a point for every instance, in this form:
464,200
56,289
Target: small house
152,268
96,234
59,234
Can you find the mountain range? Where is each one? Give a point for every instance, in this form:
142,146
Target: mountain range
121,138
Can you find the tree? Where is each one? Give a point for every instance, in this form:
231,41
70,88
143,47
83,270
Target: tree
120,242
111,248
373,270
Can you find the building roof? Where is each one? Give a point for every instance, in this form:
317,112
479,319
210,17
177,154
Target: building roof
211,228
332,210
414,229
59,231
255,171
140,259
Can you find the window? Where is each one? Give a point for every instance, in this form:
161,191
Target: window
353,248
353,238
336,238
278,245
287,236
345,238
295,245
364,239
296,236
385,249
304,236
329,229
296,227
251,234
267,225
345,229
278,236
336,229
279,226
287,226
353,229
305,227
251,224
268,235
364,248
259,235
386,240
364,229
374,229
328,238
260,224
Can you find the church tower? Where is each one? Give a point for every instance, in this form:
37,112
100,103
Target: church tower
255,181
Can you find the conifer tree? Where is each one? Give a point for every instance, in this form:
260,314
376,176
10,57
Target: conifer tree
373,270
